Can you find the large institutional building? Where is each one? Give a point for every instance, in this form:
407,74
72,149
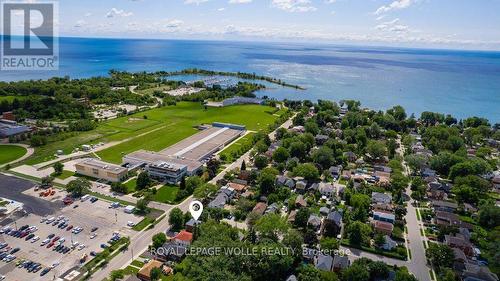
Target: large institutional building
101,170
186,157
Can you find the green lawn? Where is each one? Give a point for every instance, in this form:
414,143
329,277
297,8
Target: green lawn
65,174
238,148
142,224
166,193
10,153
178,121
131,184
163,127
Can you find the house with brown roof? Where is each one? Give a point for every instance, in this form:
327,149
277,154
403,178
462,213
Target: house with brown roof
300,202
240,188
459,241
383,227
260,208
145,272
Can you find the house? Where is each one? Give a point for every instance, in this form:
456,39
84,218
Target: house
191,224
389,244
184,237
308,254
259,208
321,139
340,262
219,201
383,227
300,202
381,198
300,186
460,260
447,218
333,224
173,251
384,216
496,183
145,272
426,173
350,156
474,272
460,242
326,189
323,262
285,181
382,207
436,194
335,171
240,188
314,222
273,208
291,278
224,196
346,174
444,206
324,211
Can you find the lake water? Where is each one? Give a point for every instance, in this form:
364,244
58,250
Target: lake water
462,83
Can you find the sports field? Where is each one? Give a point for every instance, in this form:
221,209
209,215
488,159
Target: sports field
177,123
161,128
10,153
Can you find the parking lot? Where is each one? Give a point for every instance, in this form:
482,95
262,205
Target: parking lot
86,215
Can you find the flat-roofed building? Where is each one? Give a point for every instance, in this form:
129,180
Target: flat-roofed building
186,157
9,128
101,170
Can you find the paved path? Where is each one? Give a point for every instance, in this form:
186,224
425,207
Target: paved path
418,263
29,152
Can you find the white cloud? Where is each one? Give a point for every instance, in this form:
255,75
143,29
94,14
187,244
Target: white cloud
239,1
80,23
197,2
393,26
294,5
88,14
174,24
221,9
395,5
118,13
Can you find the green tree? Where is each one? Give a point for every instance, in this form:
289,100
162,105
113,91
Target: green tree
260,162
267,179
280,155
58,168
358,233
155,274
329,243
158,240
142,206
78,187
440,255
271,226
176,218
376,149
323,157
143,181
308,171
204,190
301,217
243,166
355,273
116,275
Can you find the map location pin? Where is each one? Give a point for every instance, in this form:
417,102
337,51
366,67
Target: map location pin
195,208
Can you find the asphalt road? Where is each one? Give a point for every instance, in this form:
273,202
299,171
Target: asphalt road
12,188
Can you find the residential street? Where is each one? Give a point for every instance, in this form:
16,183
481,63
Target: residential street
418,263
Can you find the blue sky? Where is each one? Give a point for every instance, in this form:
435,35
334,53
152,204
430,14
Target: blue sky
470,24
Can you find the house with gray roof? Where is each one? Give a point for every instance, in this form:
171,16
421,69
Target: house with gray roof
314,222
323,262
326,189
340,262
381,198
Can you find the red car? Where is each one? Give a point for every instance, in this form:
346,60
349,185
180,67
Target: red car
69,228
55,239
50,244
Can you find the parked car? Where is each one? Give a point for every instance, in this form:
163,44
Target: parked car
15,250
36,238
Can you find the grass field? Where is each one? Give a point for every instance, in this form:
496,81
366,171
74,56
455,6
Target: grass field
131,184
163,127
166,194
65,174
11,98
9,153
238,148
177,123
